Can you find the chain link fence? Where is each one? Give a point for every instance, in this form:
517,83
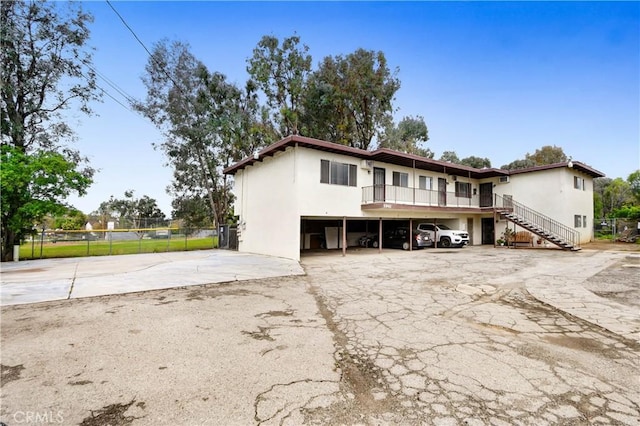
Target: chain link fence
119,236
617,230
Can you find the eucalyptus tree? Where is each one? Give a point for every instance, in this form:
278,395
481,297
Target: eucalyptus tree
477,162
408,136
542,156
45,71
547,155
281,70
207,122
349,98
519,164
450,156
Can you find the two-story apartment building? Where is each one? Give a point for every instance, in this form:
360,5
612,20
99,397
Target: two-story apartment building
300,193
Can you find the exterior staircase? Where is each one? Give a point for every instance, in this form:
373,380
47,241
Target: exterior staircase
543,226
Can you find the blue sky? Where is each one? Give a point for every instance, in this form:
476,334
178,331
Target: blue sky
491,79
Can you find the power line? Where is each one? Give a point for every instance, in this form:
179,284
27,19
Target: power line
117,88
112,97
153,59
121,92
129,28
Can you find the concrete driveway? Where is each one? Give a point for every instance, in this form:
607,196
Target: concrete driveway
476,336
57,279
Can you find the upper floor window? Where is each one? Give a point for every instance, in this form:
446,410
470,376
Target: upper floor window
463,189
578,183
338,173
425,182
401,179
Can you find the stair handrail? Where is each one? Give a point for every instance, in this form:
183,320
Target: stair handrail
549,225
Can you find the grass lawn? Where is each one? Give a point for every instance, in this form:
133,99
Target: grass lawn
105,248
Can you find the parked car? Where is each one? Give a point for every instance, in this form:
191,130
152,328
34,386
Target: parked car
447,237
398,238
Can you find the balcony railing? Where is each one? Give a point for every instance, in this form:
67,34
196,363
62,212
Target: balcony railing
416,197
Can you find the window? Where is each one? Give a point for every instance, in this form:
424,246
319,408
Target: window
577,221
578,183
463,189
401,179
425,182
584,221
338,173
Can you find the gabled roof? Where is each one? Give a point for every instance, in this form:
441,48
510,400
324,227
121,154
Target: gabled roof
390,156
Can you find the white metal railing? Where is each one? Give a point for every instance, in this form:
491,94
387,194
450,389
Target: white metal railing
415,197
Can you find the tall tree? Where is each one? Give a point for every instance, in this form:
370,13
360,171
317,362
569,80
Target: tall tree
351,98
131,211
450,156
519,164
280,70
542,156
45,70
408,136
599,186
547,155
477,162
634,182
208,123
616,195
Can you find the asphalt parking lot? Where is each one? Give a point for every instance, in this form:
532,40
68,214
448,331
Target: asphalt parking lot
476,336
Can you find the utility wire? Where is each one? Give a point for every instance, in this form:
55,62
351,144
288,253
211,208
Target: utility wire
117,88
129,28
155,61
112,97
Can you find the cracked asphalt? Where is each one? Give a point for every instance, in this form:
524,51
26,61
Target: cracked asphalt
473,336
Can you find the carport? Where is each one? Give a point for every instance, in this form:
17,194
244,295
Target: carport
343,232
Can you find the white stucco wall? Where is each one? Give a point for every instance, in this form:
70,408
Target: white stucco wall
552,193
323,199
273,195
267,207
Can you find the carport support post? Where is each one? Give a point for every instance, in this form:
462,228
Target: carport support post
380,236
410,234
435,233
495,221
344,236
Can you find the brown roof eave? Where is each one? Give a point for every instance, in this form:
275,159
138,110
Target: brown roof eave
293,141
574,164
399,158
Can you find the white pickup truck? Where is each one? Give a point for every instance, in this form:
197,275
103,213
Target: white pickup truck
447,237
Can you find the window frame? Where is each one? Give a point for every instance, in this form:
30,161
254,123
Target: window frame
402,177
466,193
577,221
425,179
338,173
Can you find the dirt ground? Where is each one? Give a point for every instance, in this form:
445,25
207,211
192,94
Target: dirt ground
473,336
609,245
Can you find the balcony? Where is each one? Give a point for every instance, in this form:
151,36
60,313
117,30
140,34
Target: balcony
389,196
